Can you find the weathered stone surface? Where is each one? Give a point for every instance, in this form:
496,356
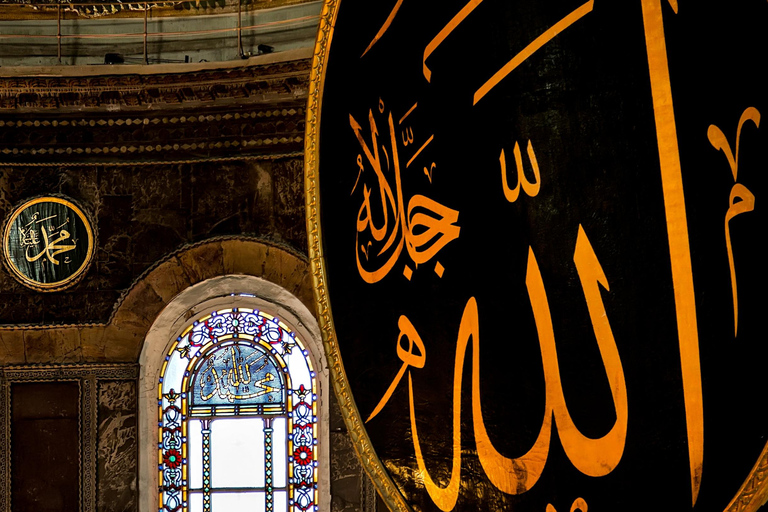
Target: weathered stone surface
346,475
273,269
114,181
92,343
11,347
61,345
117,447
138,309
335,419
21,307
122,344
202,262
73,305
306,293
168,279
39,346
68,346
290,222
293,270
240,259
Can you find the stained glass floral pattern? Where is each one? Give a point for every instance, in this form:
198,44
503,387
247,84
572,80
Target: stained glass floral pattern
247,363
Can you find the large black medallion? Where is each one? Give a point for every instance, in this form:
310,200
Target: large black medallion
537,227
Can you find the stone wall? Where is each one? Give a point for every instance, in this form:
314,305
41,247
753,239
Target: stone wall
143,213
166,216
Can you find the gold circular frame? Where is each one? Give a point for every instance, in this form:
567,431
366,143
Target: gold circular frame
752,494
57,285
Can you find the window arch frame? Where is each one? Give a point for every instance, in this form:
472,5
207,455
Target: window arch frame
224,292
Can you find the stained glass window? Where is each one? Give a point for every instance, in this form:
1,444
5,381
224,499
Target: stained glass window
237,418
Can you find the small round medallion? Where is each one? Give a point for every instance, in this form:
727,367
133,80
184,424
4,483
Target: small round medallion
48,243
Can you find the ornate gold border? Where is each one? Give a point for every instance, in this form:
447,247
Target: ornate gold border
58,285
753,494
360,440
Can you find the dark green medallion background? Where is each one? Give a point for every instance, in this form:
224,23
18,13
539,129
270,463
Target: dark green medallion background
67,229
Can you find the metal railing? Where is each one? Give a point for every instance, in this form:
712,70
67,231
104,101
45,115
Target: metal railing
67,11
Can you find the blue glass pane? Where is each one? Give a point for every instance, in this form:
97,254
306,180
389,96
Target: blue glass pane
237,374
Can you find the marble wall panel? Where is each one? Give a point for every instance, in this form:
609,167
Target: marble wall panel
117,464
142,214
45,446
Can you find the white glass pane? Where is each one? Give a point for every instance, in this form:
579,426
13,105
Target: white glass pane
195,501
297,365
279,449
238,502
174,372
237,452
281,501
195,453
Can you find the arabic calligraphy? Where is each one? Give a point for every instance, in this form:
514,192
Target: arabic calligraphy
592,457
677,233
29,239
558,89
529,50
578,504
237,374
384,27
50,248
48,243
423,228
530,188
741,199
444,33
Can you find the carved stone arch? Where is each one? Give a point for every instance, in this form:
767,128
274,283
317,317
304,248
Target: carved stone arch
200,280
146,320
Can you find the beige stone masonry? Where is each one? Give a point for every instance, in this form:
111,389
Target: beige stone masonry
121,339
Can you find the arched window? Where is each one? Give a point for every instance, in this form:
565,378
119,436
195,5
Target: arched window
237,399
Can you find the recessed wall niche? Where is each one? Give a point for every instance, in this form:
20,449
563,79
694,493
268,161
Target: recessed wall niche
68,438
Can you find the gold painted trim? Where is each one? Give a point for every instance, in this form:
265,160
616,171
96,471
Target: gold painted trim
360,440
58,285
753,494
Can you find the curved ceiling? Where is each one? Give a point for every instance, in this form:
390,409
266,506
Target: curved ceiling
115,33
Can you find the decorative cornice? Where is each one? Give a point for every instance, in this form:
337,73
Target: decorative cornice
244,112
17,10
249,84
